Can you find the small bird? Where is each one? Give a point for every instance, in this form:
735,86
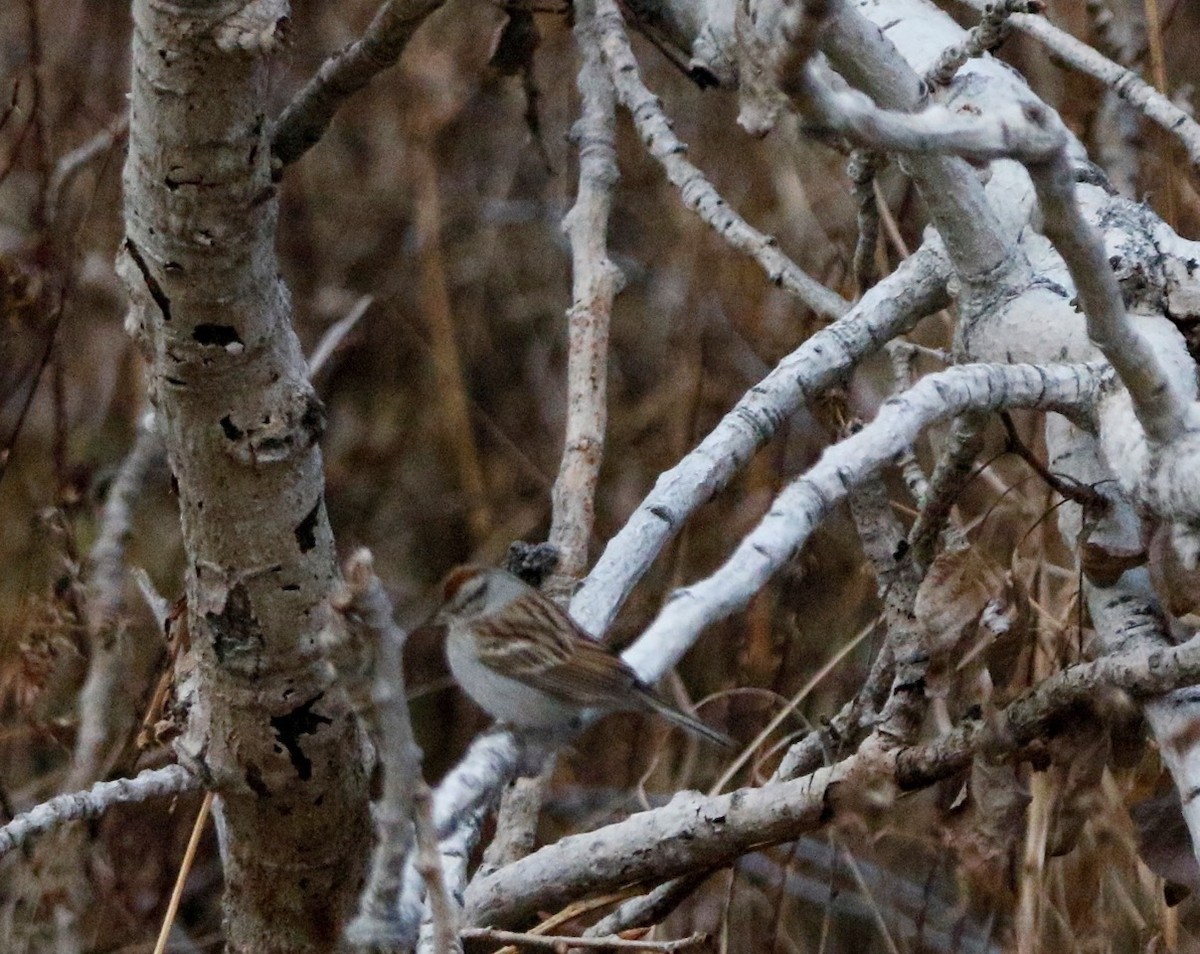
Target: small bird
527,663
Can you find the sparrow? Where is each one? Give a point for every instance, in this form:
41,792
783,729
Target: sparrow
527,663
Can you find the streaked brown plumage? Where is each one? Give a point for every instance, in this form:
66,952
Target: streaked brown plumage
526,662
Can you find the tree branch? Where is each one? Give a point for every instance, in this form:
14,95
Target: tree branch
152,783
695,832
697,192
308,115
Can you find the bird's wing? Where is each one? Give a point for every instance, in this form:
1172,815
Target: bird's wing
553,655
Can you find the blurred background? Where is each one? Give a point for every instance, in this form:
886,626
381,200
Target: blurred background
439,192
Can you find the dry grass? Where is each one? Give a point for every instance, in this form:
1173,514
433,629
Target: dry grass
446,407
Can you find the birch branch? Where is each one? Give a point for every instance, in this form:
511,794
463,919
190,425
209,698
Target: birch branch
1011,132
305,119
890,308
695,832
803,504
1128,618
152,783
364,602
1160,407
595,280
953,470
112,651
267,728
1040,141
697,192
1154,105
991,31
862,169
559,942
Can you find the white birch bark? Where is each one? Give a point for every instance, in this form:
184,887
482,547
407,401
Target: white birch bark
265,728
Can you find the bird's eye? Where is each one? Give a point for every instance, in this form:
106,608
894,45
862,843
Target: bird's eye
473,595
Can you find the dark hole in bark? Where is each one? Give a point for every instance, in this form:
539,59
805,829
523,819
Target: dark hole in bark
219,335
299,722
306,529
703,77
235,629
232,431
152,285
313,419
255,780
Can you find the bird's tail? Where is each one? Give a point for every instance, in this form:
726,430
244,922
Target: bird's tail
656,703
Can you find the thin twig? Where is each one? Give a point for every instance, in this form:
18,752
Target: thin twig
152,783
558,942
443,911
112,652
697,192
71,164
950,475
650,908
364,603
335,334
306,117
1124,82
986,37
903,355
185,867
862,169
1065,487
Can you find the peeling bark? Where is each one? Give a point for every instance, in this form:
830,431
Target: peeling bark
265,728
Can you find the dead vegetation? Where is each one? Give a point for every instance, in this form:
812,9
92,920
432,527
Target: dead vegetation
439,191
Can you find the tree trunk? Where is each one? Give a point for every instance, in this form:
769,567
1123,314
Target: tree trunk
265,726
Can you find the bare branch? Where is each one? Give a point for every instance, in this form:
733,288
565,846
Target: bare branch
650,908
804,503
306,117
984,38
1124,82
335,334
112,651
696,832
1160,407
1014,131
697,192
595,280
953,470
558,942
152,783
893,306
862,169
363,602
